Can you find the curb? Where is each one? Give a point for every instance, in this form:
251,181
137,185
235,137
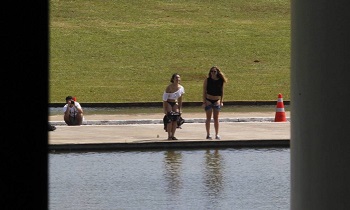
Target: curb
160,104
283,143
148,121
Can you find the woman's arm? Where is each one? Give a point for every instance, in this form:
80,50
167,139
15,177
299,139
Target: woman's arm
165,103
165,107
222,95
179,102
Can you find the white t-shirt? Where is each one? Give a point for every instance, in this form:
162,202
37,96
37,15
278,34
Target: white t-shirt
73,110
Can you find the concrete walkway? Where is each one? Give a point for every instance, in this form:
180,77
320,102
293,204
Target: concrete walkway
145,131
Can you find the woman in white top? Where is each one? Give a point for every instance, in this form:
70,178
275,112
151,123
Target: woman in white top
172,104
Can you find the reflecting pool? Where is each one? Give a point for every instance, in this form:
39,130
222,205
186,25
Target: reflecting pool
174,179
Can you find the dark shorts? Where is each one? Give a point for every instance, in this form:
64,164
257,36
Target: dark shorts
172,104
212,106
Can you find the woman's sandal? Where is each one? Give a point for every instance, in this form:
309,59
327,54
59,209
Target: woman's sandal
174,138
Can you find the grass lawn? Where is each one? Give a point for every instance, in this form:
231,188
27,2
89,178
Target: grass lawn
126,51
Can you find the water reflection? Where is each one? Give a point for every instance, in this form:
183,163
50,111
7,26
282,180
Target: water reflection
173,170
213,173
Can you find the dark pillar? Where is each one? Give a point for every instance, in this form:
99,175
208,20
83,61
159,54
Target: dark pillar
320,116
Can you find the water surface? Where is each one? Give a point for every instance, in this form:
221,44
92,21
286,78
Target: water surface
174,179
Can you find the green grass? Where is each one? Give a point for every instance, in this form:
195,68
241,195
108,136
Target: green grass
126,51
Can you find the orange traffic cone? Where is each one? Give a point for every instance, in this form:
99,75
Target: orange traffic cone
280,115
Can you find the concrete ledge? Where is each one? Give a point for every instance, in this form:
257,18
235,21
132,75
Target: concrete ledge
169,145
132,133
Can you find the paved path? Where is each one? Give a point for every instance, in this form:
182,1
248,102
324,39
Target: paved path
145,131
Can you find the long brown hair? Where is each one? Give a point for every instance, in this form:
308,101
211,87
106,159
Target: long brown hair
219,73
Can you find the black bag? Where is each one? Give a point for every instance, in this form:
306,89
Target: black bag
167,120
51,127
180,121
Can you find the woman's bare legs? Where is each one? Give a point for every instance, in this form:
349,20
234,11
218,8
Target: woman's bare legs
171,127
215,113
207,121
169,130
216,121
